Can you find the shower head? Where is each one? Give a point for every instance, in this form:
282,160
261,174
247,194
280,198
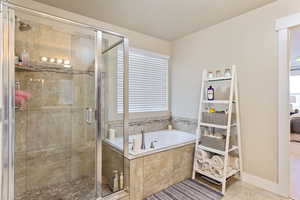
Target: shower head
23,26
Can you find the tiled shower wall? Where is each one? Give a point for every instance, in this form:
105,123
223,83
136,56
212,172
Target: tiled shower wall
53,142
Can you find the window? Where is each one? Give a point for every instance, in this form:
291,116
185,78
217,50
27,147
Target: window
148,82
295,91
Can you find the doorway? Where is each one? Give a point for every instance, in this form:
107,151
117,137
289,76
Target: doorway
294,97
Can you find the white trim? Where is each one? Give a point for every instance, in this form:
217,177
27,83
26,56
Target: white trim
263,183
149,53
288,22
283,110
283,26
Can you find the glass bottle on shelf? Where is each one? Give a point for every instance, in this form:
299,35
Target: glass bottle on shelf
210,93
227,72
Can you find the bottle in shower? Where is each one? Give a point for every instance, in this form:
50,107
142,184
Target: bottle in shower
210,93
115,181
121,185
25,58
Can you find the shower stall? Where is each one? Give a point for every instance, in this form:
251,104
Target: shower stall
58,80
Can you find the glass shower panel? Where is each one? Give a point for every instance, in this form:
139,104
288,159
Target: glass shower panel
55,135
113,170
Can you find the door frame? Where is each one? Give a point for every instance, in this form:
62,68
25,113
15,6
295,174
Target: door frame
283,27
7,23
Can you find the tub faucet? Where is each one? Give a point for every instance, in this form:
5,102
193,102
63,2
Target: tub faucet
143,146
152,144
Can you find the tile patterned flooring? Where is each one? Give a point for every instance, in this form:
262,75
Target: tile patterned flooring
243,191
295,170
80,189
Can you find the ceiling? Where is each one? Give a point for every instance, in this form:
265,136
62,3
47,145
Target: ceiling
165,19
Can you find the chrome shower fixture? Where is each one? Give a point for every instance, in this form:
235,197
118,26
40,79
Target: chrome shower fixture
22,25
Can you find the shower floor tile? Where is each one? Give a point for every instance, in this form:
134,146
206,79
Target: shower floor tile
80,189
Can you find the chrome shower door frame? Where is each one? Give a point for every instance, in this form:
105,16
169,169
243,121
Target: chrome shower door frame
8,99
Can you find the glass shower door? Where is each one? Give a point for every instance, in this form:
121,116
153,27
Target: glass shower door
112,118
55,103
62,136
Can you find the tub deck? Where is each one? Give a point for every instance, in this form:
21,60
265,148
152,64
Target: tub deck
166,139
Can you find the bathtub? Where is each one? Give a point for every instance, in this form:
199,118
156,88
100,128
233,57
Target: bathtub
166,139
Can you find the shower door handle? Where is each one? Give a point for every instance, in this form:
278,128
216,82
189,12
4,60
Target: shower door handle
89,115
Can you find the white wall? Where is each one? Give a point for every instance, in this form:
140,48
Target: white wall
137,40
250,42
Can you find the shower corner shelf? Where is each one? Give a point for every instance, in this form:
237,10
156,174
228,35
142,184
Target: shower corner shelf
232,101
37,67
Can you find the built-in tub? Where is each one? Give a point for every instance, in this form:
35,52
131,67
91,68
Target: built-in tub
165,140
151,170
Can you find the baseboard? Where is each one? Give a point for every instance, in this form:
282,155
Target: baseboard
263,184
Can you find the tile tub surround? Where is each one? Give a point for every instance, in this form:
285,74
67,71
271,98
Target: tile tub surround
155,172
136,125
112,160
184,124
149,174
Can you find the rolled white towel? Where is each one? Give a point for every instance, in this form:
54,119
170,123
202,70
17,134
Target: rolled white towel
217,162
202,155
206,165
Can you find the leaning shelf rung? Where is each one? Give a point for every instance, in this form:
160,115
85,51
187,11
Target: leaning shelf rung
213,125
216,101
208,186
216,151
216,125
212,150
218,79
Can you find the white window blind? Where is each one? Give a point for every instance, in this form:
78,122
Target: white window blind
148,82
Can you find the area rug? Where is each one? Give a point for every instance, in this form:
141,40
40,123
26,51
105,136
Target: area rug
186,190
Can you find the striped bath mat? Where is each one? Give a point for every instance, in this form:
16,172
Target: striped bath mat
186,190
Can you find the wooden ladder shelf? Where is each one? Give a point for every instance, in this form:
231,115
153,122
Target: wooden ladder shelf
228,129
